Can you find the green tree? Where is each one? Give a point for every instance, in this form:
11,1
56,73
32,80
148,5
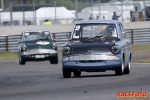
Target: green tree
69,4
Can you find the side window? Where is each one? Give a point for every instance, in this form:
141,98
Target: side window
21,39
121,27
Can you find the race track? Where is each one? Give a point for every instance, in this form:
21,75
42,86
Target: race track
43,81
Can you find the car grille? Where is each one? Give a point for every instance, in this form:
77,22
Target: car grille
93,57
39,51
90,61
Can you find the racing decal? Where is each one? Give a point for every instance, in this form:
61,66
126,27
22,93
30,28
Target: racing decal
95,27
46,32
77,27
26,34
42,43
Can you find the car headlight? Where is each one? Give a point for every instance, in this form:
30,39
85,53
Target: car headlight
65,59
24,48
114,49
66,50
54,45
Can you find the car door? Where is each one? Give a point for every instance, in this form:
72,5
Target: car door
125,43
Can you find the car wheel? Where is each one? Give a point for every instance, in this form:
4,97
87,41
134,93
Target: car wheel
54,60
77,73
127,69
21,61
120,70
51,61
66,73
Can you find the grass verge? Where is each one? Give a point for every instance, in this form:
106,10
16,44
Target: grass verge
8,56
141,59
140,48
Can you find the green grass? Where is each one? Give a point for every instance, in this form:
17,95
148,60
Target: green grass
8,56
59,53
142,48
141,60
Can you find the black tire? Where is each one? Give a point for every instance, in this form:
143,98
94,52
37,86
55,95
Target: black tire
66,73
120,70
127,69
77,73
51,61
21,61
54,60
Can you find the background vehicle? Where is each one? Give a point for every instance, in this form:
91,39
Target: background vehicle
96,46
37,45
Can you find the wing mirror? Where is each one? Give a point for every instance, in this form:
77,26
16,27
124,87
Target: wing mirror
54,40
124,34
19,41
68,35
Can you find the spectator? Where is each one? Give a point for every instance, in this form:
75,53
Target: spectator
132,19
97,18
103,17
47,22
115,17
91,17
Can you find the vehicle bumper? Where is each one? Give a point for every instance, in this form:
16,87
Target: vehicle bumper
110,64
32,57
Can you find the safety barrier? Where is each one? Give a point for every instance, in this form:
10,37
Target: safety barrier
10,43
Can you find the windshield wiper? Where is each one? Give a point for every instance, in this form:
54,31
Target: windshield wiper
98,35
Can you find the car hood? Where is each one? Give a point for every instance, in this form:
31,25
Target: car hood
90,47
38,45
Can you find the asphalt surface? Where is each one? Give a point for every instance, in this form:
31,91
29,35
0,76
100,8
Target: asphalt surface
43,81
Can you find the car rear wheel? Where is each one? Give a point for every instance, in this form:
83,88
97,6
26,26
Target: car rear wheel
21,61
127,69
77,73
120,70
54,60
66,73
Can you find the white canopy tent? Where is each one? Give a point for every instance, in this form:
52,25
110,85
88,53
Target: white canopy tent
41,14
49,12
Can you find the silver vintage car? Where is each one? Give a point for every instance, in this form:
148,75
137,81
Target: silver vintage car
37,45
96,46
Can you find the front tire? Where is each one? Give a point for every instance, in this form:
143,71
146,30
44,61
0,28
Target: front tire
120,70
54,60
66,73
77,73
21,61
127,69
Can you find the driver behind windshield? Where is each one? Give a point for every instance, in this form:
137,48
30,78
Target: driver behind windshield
33,36
110,31
89,31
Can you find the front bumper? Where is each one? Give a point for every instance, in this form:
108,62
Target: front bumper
32,57
93,61
110,64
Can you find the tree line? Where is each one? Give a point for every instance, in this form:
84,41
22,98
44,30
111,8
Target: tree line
69,4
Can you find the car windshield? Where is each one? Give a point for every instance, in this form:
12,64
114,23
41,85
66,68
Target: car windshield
91,31
34,36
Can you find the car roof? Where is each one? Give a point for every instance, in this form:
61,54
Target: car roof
97,21
36,30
